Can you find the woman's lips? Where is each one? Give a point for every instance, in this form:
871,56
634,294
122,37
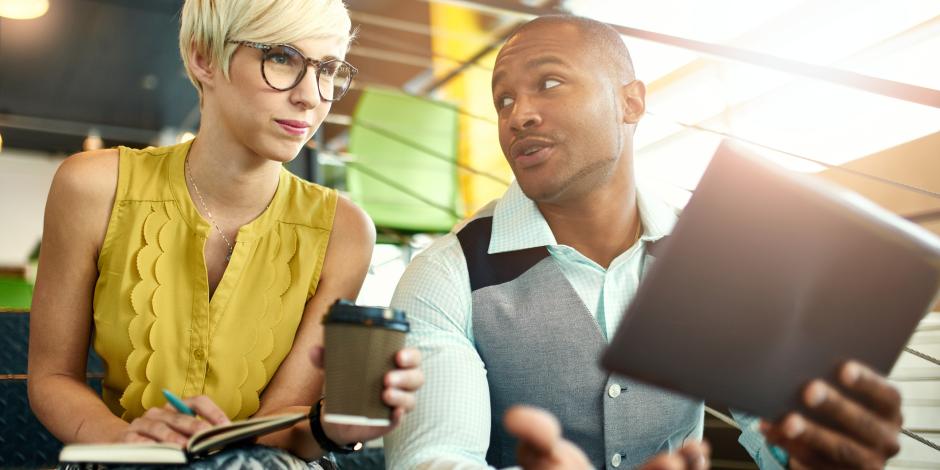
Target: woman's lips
293,127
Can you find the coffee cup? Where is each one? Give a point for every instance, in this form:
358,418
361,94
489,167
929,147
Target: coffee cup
360,343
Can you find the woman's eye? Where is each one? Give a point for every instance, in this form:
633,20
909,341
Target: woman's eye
503,102
279,58
550,83
329,69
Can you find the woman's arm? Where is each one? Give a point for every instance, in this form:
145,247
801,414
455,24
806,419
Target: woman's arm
297,383
77,215
76,220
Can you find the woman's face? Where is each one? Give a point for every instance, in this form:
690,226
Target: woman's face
271,123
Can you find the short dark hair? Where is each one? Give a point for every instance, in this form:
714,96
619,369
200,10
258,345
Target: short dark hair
609,44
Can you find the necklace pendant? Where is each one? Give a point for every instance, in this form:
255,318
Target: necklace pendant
228,257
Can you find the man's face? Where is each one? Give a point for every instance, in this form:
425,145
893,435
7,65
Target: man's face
560,124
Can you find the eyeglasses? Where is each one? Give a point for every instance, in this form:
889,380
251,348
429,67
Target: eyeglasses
283,67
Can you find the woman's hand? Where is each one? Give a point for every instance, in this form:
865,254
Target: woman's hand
168,425
401,385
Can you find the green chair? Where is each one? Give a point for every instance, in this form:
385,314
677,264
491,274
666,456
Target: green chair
404,168
15,293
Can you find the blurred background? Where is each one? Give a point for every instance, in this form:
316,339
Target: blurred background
848,91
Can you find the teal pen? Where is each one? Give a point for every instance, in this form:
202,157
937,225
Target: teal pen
177,403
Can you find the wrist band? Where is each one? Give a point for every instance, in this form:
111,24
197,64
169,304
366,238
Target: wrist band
316,428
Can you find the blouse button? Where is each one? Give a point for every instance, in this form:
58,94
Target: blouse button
199,354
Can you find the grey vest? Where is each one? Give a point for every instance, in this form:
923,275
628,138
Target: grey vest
541,347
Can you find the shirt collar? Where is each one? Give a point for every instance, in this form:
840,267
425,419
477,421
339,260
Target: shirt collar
518,224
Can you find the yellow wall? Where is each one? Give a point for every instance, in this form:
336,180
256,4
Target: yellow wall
470,91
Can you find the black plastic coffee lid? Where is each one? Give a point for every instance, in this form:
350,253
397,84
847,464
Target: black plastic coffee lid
344,311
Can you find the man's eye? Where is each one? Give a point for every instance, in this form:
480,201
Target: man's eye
503,102
550,83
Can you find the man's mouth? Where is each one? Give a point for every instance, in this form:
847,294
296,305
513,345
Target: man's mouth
529,146
528,154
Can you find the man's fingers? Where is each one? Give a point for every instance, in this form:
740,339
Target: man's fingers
874,391
811,442
316,356
408,358
527,457
398,399
535,428
397,415
207,409
408,379
696,455
855,420
665,462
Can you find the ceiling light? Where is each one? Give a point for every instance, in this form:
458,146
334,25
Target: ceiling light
23,9
93,141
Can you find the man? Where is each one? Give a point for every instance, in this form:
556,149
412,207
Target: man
517,304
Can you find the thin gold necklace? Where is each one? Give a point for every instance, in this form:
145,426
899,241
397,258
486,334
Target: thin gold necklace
189,173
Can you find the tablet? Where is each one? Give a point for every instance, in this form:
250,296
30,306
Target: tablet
772,278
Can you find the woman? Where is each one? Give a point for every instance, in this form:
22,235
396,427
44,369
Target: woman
205,267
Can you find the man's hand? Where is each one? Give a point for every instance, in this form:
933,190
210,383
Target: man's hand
401,385
540,443
855,427
694,455
541,446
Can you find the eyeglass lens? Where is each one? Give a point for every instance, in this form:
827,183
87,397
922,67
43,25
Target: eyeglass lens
283,66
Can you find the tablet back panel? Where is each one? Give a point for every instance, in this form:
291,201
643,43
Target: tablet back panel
770,279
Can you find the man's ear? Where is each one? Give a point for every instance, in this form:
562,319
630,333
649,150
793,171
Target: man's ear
633,101
201,68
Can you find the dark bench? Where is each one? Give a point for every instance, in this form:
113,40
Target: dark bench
24,442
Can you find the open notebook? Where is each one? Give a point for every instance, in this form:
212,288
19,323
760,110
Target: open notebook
200,445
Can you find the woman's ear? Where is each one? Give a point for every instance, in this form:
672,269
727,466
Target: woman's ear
201,68
633,100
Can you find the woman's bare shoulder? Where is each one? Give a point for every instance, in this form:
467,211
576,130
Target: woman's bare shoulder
83,192
353,224
89,173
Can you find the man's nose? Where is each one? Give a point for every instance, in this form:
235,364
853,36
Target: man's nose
524,115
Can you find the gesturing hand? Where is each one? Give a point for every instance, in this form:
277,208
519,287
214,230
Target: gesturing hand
541,446
854,426
694,455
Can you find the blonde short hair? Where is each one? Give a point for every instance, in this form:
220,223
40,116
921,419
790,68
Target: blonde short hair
208,25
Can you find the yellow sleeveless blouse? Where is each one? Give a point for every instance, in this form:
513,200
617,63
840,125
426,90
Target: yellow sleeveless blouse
155,326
